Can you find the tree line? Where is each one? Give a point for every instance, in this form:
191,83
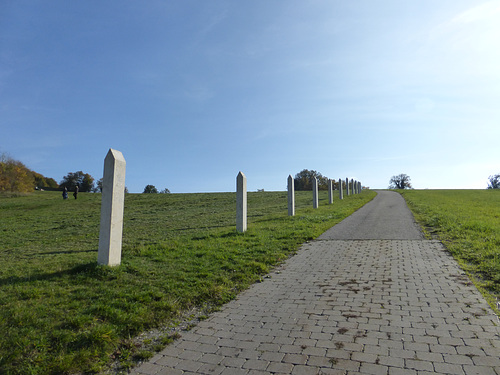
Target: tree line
16,177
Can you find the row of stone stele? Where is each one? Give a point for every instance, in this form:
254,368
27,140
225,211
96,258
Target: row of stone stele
113,197
241,196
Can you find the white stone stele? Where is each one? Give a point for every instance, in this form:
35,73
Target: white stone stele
347,186
352,186
112,203
291,196
330,191
241,203
315,192
341,191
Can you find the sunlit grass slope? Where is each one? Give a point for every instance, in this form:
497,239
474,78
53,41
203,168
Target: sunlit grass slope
61,313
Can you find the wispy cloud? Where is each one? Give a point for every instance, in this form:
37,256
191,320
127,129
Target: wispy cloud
488,10
473,28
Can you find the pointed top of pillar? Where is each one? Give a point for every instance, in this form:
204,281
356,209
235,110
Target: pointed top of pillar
115,154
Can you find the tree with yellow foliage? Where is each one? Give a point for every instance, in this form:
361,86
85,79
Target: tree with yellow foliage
15,176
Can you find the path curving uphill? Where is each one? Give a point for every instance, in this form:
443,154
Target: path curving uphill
369,296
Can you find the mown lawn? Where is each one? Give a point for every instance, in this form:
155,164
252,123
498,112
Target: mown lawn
61,313
468,222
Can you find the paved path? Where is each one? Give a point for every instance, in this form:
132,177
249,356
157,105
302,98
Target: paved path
387,217
382,305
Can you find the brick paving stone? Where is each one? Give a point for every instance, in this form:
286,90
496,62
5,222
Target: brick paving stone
249,354
390,361
167,361
296,359
211,358
190,355
256,364
447,368
318,361
364,357
233,362
419,365
443,349
272,356
208,368
169,371
376,349
188,365
278,367
402,371
487,361
479,370
457,359
149,369
234,371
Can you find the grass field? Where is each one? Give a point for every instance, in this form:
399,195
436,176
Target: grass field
468,223
61,313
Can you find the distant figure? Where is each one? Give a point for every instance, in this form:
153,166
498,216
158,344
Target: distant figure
65,193
75,194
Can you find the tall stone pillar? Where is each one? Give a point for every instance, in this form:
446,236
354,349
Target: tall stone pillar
315,192
291,196
112,206
341,189
330,191
241,203
347,186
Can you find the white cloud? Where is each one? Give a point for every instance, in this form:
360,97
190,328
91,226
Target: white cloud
488,10
476,29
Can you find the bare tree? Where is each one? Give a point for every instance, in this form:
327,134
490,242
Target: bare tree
401,181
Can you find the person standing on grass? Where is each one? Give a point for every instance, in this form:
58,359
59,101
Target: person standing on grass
75,194
65,193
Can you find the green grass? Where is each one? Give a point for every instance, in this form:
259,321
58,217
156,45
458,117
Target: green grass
468,223
61,313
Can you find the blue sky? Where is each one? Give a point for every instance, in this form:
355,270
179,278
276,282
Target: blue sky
192,92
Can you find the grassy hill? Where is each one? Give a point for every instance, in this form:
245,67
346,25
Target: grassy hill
61,313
